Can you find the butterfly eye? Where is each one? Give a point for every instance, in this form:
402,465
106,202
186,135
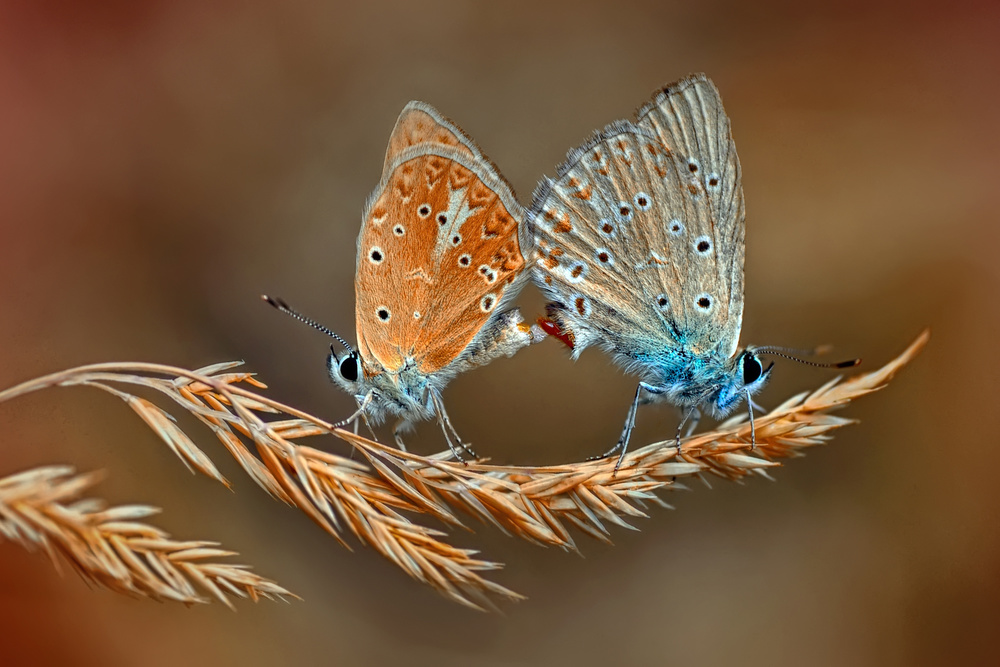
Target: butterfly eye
349,368
751,368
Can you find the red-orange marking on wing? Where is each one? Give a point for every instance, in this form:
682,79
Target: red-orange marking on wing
434,169
554,330
460,177
563,226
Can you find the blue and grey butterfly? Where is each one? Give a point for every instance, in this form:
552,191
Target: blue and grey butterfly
640,246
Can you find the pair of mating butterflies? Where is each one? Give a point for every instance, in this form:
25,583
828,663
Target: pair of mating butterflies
638,244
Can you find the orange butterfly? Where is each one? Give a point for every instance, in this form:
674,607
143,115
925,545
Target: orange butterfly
440,255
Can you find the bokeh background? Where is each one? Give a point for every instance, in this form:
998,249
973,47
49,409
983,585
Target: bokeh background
163,163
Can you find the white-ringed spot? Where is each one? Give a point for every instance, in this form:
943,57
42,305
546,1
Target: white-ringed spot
375,255
465,260
456,239
604,256
399,230
704,302
676,227
383,313
488,274
624,211
424,210
642,201
703,245
714,182
607,227
662,303
488,302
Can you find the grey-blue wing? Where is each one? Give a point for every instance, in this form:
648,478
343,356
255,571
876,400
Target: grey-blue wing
688,118
592,232
640,237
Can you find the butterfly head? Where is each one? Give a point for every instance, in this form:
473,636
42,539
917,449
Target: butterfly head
346,371
746,377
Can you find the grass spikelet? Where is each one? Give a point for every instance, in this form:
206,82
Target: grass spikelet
374,500
113,548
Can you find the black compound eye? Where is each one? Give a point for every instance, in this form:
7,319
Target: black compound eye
751,369
349,368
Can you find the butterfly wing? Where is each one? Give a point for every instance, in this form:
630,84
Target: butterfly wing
422,124
440,250
688,118
620,232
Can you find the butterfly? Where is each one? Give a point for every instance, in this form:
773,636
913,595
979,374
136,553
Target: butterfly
440,256
640,247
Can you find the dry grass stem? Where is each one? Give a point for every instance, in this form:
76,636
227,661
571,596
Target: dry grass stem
373,501
113,548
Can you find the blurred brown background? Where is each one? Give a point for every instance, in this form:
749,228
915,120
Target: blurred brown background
163,163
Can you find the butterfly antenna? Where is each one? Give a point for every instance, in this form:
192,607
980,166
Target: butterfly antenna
778,352
800,352
283,307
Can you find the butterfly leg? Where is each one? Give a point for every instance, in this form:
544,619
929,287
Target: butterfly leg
359,413
753,431
397,433
451,436
622,445
692,416
364,417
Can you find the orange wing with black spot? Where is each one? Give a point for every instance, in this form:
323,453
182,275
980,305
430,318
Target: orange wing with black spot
441,248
